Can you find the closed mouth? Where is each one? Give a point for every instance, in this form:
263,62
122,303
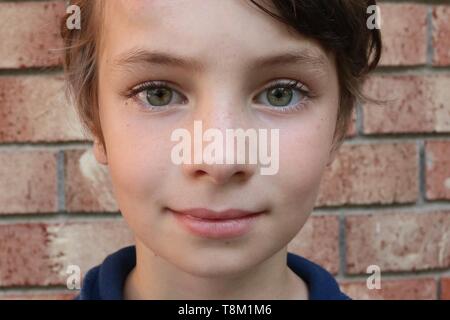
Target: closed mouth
207,214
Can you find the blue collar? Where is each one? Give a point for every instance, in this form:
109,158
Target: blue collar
106,281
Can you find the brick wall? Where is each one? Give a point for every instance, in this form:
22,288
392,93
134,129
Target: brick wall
384,201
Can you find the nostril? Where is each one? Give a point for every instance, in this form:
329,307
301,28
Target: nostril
242,175
199,173
220,177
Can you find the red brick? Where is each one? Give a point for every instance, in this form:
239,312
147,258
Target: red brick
29,34
414,104
437,170
404,34
397,241
88,184
39,253
445,288
398,289
441,35
371,173
28,181
23,255
34,108
318,241
45,295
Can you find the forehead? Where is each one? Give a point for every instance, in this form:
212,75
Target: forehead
213,30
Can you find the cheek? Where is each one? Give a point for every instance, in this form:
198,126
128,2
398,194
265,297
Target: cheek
138,157
304,152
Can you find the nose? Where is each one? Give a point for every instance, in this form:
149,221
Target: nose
219,174
221,167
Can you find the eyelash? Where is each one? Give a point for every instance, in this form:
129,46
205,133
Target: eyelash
292,84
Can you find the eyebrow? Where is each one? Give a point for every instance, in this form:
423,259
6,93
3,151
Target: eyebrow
143,56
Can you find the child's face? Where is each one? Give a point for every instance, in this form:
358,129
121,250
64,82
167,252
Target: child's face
226,37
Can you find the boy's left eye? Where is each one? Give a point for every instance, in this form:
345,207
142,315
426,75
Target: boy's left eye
158,95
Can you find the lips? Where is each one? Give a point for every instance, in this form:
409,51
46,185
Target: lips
205,223
203,213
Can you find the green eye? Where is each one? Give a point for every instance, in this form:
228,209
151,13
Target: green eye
159,96
280,96
156,95
284,96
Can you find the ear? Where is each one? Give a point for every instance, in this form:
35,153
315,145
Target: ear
100,152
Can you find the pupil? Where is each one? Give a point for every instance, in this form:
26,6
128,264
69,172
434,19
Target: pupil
280,96
162,96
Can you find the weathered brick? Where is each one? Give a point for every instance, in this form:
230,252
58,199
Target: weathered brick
437,174
88,185
34,108
29,34
398,289
441,35
44,295
398,241
445,288
371,173
414,104
28,181
319,241
404,34
23,255
39,253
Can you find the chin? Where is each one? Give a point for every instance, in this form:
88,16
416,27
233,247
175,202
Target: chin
206,268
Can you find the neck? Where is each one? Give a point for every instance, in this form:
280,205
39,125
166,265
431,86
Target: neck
153,278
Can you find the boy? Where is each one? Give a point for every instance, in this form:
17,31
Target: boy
141,70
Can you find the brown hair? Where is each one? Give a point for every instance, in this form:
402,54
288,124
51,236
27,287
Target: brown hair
81,51
338,25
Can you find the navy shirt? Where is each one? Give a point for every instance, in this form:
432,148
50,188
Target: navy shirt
106,281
